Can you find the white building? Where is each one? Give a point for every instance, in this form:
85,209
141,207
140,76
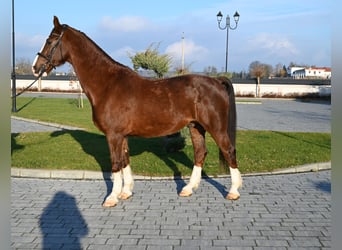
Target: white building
311,72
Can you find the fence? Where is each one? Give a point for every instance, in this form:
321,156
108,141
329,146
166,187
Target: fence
285,87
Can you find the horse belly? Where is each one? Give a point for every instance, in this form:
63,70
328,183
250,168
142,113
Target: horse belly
157,127
159,120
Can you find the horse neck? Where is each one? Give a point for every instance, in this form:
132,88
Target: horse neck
91,65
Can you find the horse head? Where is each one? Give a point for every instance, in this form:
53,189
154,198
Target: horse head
52,54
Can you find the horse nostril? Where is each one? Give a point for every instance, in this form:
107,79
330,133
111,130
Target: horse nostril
34,70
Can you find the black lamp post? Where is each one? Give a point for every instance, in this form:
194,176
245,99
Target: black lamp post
227,27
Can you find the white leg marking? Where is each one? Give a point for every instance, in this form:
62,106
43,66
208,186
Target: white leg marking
117,185
194,182
195,178
236,184
112,199
128,183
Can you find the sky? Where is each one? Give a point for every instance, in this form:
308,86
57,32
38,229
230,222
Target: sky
269,31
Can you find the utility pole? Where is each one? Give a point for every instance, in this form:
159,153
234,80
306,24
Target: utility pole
183,53
14,85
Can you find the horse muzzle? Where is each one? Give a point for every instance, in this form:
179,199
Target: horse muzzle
39,72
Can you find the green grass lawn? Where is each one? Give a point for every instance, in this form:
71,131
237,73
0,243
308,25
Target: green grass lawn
257,151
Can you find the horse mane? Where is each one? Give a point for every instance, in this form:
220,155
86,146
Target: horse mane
108,57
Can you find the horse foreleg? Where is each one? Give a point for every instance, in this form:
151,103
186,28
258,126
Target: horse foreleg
128,183
119,192
115,144
112,199
200,152
194,182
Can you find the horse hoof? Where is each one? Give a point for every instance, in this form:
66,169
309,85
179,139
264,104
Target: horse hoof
185,193
232,196
109,203
124,196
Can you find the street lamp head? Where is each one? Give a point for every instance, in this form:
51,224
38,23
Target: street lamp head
236,16
227,27
219,16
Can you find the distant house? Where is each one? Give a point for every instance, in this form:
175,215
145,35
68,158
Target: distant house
310,72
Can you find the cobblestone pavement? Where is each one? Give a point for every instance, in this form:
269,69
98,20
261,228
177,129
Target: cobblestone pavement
274,212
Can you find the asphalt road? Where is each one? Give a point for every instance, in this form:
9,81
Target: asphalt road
285,115
264,114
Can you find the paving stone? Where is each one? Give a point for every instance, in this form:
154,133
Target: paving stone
60,213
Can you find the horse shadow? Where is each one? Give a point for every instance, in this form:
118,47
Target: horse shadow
159,148
62,224
96,145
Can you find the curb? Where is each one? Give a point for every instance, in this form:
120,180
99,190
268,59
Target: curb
95,175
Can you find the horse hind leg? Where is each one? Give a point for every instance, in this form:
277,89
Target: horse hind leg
229,153
236,184
235,175
198,140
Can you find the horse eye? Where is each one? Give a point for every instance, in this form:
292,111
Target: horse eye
48,42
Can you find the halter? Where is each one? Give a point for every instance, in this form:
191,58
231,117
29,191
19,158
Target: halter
48,60
52,52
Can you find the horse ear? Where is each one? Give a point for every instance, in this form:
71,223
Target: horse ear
56,22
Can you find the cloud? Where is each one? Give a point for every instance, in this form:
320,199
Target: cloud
122,53
274,44
126,23
319,57
35,41
192,52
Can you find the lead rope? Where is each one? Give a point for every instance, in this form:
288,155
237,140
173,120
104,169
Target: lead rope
29,86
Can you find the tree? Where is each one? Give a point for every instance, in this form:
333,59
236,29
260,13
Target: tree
152,60
256,70
259,70
23,66
280,70
210,71
241,75
277,68
283,72
183,71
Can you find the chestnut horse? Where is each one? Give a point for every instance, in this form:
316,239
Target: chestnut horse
126,104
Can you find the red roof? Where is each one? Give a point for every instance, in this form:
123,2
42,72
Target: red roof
327,69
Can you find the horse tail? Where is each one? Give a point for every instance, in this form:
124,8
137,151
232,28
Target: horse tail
231,129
